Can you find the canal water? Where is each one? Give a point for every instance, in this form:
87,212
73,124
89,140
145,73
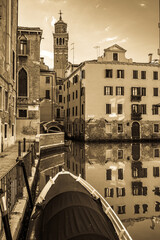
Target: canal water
126,175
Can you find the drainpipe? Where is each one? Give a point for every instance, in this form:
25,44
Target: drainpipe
80,102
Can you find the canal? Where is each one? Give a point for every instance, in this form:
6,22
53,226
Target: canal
126,175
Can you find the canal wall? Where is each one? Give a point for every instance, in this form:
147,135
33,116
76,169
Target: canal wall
51,140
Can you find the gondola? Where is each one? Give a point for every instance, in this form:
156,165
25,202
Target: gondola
69,208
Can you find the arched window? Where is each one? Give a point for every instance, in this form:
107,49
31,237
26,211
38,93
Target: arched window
60,41
63,41
57,41
22,83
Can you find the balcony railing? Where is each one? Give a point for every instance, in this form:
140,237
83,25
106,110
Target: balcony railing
136,116
136,98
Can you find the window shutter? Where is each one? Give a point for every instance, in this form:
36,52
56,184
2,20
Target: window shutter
123,91
117,192
111,90
132,91
138,91
28,47
145,191
123,192
112,192
104,90
116,91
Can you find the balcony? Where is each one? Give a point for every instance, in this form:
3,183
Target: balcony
136,116
136,98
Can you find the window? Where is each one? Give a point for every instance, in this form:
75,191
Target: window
108,192
120,91
108,154
119,108
47,80
22,113
143,74
82,91
135,74
82,109
68,112
143,109
64,87
76,93
5,130
136,208
60,98
155,75
143,91
83,74
156,152
75,79
47,94
156,171
64,100
155,91
155,110
135,91
59,112
120,154
157,206
145,208
121,192
76,110
115,56
108,174
121,209
108,90
120,170
120,73
6,101
135,108
156,128
23,46
73,95
72,111
120,127
22,83
108,108
12,130
1,98
108,73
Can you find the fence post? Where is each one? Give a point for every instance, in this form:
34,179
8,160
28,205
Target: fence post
24,145
19,148
5,215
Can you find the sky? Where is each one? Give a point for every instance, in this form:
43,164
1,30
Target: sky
94,25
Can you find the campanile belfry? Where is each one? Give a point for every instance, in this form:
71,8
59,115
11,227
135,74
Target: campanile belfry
60,47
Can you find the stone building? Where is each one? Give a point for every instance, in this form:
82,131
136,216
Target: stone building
60,38
28,82
113,98
47,93
8,36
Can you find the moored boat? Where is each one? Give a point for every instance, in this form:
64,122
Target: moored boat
69,208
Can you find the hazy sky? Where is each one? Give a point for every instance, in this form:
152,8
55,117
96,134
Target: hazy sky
133,24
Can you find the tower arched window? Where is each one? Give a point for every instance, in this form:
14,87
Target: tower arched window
60,41
22,83
63,41
57,41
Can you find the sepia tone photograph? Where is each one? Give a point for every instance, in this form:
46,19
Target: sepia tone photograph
79,119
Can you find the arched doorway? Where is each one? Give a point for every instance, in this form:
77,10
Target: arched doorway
136,151
135,130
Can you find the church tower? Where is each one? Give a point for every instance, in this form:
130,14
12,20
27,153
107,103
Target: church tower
60,47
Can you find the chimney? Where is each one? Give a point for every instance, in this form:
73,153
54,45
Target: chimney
150,57
42,60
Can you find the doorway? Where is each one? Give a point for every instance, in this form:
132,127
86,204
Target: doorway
135,130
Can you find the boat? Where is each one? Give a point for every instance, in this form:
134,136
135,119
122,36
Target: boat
69,208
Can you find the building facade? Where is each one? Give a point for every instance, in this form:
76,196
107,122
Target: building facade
113,98
47,93
60,39
28,82
8,40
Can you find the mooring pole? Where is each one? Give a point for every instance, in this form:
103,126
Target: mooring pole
21,163
5,216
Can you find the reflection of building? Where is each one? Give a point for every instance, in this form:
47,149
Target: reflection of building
130,187
47,92
60,61
28,84
112,98
8,34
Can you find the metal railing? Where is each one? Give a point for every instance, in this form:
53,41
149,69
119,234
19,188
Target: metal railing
13,182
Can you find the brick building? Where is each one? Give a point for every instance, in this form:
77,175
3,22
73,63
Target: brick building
8,37
28,82
113,98
47,93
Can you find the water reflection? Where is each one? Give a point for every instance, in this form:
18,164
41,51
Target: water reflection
126,175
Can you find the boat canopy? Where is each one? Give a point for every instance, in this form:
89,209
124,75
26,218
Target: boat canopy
70,212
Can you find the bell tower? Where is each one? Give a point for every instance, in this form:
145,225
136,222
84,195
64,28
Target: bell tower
60,47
